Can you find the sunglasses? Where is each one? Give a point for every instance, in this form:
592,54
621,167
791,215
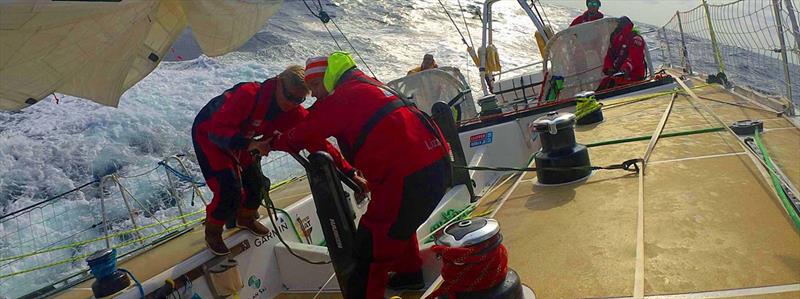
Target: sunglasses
292,98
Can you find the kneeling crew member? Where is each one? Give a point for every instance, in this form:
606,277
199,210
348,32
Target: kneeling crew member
228,156
403,157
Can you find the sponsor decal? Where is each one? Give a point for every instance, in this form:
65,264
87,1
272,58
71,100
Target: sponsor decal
480,139
255,283
306,228
282,226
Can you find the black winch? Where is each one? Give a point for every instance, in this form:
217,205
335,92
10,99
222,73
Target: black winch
747,127
561,159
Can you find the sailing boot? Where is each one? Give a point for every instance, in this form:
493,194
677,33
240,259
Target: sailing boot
248,219
406,281
214,239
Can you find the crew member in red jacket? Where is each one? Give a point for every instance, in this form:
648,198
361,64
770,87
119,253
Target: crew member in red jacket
625,60
592,13
229,158
403,157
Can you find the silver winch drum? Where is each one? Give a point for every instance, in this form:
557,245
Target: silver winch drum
468,232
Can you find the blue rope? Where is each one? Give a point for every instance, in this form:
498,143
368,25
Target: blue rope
138,284
181,176
106,265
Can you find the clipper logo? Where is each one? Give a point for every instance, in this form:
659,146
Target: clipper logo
480,139
255,283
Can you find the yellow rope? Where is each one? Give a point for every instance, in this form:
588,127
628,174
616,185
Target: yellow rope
117,234
80,257
125,232
646,97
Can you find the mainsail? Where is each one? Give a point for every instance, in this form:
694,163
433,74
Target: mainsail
98,49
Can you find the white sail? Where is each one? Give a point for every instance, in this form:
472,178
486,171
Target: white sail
97,50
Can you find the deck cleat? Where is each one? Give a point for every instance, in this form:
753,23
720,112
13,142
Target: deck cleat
561,159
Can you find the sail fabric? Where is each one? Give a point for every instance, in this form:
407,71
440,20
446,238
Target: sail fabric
98,49
436,85
577,54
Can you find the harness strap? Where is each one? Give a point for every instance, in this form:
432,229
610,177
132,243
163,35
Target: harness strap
390,107
373,121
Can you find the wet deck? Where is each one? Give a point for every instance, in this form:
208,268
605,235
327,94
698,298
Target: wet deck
711,222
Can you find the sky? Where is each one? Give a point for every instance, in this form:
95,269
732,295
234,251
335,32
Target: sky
654,12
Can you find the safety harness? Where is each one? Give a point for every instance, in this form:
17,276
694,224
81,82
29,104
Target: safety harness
350,151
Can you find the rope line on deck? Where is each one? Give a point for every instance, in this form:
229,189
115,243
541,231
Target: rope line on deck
628,165
776,182
741,142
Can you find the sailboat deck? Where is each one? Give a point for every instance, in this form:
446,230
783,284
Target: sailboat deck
711,222
159,259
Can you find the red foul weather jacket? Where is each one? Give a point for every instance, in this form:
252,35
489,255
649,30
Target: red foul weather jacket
398,145
626,54
250,109
586,17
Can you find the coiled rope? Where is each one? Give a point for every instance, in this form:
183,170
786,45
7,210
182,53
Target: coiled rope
471,268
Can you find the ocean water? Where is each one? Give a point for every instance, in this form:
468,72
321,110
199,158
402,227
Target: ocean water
52,147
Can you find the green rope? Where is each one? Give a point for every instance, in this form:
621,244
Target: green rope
787,205
80,257
665,135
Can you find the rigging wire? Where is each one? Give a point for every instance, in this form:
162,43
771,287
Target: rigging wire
542,13
464,40
466,26
325,18
354,49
